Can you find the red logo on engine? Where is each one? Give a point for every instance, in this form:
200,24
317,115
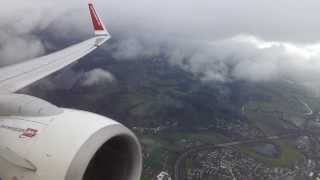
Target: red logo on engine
29,133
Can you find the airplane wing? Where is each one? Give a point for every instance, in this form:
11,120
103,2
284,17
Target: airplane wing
18,76
40,141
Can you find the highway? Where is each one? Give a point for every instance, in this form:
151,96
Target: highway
310,111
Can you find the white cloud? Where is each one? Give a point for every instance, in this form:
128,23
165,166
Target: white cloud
96,76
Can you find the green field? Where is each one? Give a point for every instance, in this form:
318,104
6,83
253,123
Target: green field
289,155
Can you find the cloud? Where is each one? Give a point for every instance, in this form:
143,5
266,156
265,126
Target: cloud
22,22
216,40
242,57
97,76
15,49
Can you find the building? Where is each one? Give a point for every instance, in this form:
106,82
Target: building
163,176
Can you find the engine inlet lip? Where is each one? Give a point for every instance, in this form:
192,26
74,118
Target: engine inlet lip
87,151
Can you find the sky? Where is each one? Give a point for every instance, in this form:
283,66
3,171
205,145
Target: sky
217,40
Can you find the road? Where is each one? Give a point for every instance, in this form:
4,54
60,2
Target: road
223,145
307,107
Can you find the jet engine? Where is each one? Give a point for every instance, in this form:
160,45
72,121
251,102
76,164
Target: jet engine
39,141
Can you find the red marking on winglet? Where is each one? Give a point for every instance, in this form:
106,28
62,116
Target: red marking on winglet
97,24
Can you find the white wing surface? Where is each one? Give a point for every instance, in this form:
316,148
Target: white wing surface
18,76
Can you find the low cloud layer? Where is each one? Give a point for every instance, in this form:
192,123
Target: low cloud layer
216,40
241,57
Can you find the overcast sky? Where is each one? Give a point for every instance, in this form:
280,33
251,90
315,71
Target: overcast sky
282,20
218,40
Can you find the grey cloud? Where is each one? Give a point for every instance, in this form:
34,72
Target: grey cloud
19,48
21,20
203,37
238,58
128,49
17,24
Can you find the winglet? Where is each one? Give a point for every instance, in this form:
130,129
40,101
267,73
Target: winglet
99,27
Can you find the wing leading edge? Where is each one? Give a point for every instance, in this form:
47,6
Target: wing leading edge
18,76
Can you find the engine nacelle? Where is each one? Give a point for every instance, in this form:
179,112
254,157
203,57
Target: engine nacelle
66,145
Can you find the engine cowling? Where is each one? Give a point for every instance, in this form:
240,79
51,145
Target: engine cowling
66,145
